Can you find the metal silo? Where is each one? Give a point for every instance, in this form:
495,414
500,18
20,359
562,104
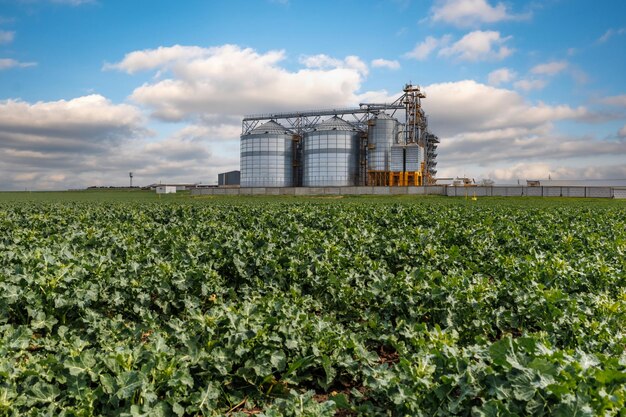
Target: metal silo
381,136
413,158
267,156
397,158
331,154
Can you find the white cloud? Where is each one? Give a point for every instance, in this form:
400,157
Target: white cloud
474,46
163,57
230,80
556,171
501,76
619,101
6,36
427,46
212,130
611,33
7,63
60,144
458,108
530,84
466,13
385,63
495,131
85,121
549,68
323,61
91,141
531,171
622,132
479,46
320,61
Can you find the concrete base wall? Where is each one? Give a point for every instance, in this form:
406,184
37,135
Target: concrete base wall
496,191
311,191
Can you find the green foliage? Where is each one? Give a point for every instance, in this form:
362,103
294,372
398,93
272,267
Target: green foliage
311,308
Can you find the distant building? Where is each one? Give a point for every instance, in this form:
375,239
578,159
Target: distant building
178,187
228,179
166,189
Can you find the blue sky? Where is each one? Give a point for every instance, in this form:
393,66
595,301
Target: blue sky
90,90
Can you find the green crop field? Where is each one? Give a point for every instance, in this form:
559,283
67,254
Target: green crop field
123,303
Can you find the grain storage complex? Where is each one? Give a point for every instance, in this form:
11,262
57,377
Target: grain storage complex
376,144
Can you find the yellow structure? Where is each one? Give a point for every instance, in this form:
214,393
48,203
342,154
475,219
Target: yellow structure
395,179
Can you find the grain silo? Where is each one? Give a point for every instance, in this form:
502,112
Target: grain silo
331,154
413,157
382,131
382,134
267,156
375,144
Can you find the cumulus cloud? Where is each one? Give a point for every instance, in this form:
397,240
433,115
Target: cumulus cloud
211,130
385,63
474,46
168,160
493,129
90,120
7,63
530,84
549,68
423,49
524,171
91,141
6,36
479,46
46,141
501,76
323,61
619,101
230,80
164,57
466,13
556,171
503,136
463,107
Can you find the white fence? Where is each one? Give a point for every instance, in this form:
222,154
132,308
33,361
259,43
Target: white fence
523,191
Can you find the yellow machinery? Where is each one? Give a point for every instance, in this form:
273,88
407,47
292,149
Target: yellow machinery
395,179
405,179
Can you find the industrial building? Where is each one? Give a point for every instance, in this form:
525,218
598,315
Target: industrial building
228,179
375,144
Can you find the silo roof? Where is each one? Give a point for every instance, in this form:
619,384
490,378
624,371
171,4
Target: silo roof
335,123
270,127
384,116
